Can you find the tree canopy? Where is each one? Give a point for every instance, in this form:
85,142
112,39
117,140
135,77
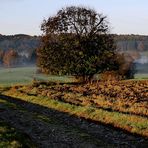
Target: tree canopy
76,41
76,20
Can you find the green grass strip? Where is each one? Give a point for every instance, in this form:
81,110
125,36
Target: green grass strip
131,123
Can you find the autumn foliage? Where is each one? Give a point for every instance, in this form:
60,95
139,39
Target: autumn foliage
10,58
76,42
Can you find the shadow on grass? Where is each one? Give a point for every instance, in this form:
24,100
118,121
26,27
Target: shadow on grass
95,129
11,137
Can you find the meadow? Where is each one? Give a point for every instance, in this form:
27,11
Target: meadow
122,104
27,98
25,75
11,137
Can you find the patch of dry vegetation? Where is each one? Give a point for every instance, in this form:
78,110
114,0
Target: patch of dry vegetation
129,97
122,104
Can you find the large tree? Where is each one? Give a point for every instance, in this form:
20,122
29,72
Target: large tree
76,41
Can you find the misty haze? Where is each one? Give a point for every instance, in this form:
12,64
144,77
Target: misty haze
73,74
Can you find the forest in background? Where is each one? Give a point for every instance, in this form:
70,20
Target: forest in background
25,46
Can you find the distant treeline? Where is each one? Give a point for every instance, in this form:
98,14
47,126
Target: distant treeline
22,46
131,42
11,58
21,43
26,45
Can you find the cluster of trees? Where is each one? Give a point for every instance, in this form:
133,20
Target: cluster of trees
19,42
76,41
11,58
137,43
23,45
131,37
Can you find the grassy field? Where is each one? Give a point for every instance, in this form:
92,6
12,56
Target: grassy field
25,75
11,138
141,76
44,129
120,104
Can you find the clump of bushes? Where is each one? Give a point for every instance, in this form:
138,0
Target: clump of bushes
111,75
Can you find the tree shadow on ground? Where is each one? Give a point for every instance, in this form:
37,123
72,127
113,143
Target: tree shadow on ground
96,130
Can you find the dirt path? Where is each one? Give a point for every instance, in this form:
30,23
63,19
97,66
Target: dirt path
50,128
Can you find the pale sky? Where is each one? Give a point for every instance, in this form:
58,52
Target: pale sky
26,16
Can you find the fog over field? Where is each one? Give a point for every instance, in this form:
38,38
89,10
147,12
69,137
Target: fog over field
26,75
73,73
